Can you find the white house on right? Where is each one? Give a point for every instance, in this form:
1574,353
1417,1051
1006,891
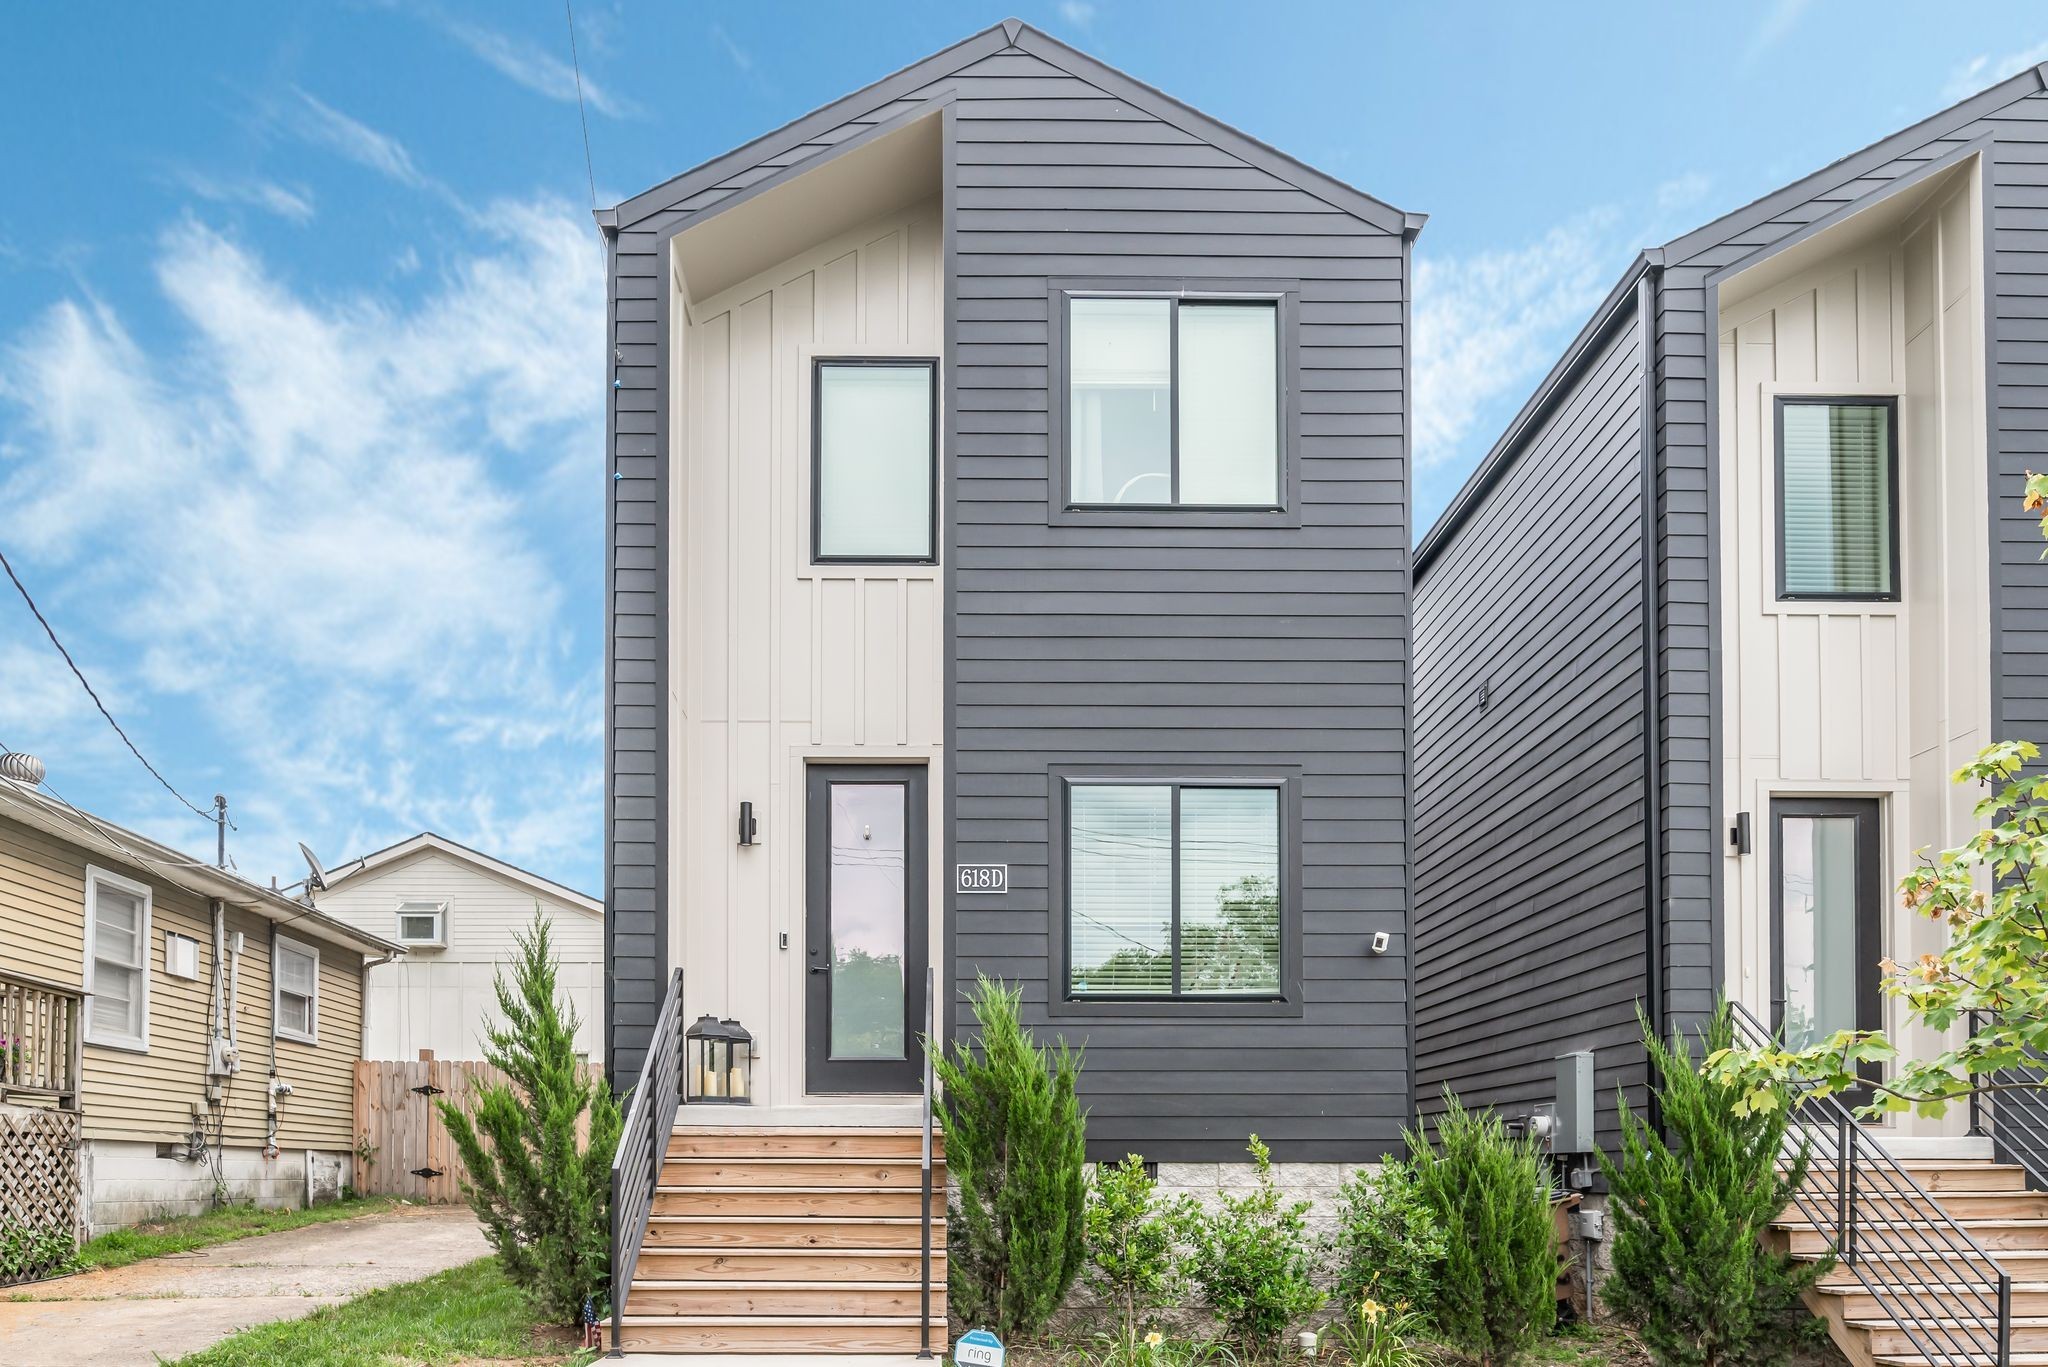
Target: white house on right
1696,651
456,911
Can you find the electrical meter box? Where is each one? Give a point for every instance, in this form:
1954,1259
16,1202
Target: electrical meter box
1574,1103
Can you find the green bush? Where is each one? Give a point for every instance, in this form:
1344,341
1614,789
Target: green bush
1497,1295
1690,1267
1014,1153
1251,1259
1388,1245
1131,1243
26,1252
545,1201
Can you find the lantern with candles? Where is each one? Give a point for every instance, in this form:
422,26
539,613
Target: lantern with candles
718,1063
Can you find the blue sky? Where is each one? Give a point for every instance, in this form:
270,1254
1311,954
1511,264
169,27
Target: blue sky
301,325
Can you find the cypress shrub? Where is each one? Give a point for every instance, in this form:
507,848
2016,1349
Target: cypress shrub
1690,1266
1014,1152
1497,1292
544,1200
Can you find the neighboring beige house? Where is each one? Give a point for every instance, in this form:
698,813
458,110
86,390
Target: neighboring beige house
456,911
217,1022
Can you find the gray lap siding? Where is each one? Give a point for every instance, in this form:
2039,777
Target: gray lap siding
1103,645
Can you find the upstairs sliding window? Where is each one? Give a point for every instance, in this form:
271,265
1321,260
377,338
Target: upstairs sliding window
1838,515
1173,402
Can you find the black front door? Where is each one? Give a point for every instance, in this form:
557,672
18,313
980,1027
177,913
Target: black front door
1826,919
866,890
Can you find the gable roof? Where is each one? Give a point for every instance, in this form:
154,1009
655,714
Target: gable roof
1011,34
440,844
117,844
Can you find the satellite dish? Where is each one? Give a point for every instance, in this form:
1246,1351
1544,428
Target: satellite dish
316,877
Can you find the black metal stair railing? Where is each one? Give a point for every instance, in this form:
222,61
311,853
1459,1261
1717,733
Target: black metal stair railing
2015,1115
643,1144
1942,1288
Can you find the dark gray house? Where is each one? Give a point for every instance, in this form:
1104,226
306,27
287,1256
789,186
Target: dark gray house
1700,642
1009,564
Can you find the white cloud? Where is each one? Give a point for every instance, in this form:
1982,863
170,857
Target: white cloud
1079,13
1487,324
327,126
288,202
1777,22
1986,70
740,57
533,67
303,526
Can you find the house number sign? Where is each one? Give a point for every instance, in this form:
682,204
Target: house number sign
981,878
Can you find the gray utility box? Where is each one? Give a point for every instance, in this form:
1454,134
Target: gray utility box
1574,1103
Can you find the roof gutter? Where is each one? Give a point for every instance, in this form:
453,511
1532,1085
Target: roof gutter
1618,304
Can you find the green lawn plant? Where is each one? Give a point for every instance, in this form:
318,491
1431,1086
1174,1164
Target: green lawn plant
1252,1261
1489,1191
1691,1270
1376,1333
1388,1245
544,1197
1130,1233
1014,1151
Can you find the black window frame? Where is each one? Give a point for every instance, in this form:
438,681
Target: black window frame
818,365
1889,402
1064,1001
1283,296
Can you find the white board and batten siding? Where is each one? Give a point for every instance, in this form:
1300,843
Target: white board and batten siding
1870,699
779,663
443,999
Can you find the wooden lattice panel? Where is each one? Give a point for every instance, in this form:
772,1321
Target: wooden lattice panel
39,1170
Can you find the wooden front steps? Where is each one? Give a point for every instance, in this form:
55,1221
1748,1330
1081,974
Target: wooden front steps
1898,1249
790,1240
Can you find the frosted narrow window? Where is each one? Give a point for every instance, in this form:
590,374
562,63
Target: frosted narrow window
1120,880
1229,404
1819,901
875,436
1835,488
1120,401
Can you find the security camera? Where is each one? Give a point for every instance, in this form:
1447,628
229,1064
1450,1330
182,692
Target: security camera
1381,942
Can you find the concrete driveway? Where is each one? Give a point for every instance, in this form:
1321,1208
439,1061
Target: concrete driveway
167,1307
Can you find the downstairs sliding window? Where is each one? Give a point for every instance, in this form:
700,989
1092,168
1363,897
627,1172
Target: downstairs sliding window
1174,890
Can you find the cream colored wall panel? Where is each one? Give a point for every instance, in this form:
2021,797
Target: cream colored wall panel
796,663
1858,698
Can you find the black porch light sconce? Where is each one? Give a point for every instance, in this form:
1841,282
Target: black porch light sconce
747,825
718,1063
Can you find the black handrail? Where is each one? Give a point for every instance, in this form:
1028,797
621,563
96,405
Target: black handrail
924,1266
2015,1114
1897,1240
643,1144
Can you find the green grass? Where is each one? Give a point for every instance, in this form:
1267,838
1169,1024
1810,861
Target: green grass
183,1233
463,1313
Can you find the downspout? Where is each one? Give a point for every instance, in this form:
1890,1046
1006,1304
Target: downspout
270,1089
1653,772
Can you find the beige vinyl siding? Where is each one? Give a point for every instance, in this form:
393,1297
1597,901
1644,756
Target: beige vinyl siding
149,1096
1864,699
439,998
781,663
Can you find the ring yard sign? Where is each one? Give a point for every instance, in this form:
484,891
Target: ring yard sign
978,1348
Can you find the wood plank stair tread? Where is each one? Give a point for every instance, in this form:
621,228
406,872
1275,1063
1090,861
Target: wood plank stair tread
657,1284
802,1131
1985,1222
1916,1360
1916,1288
938,1222
785,1321
1966,1322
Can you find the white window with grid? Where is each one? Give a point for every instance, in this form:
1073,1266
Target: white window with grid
117,912
295,991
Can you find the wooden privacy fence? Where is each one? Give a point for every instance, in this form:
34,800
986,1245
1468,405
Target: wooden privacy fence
413,1155
39,1177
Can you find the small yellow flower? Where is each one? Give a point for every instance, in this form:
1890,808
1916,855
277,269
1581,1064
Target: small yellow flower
1154,1339
1373,1310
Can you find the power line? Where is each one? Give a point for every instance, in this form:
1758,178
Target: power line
51,632
576,65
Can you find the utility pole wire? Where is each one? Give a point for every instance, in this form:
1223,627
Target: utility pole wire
51,632
576,65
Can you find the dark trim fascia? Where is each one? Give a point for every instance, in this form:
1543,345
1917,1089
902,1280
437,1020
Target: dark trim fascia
1508,448
1858,163
949,993
1986,246
798,131
1287,779
1286,294
611,658
1213,131
1408,650
1653,682
1717,793
1934,167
